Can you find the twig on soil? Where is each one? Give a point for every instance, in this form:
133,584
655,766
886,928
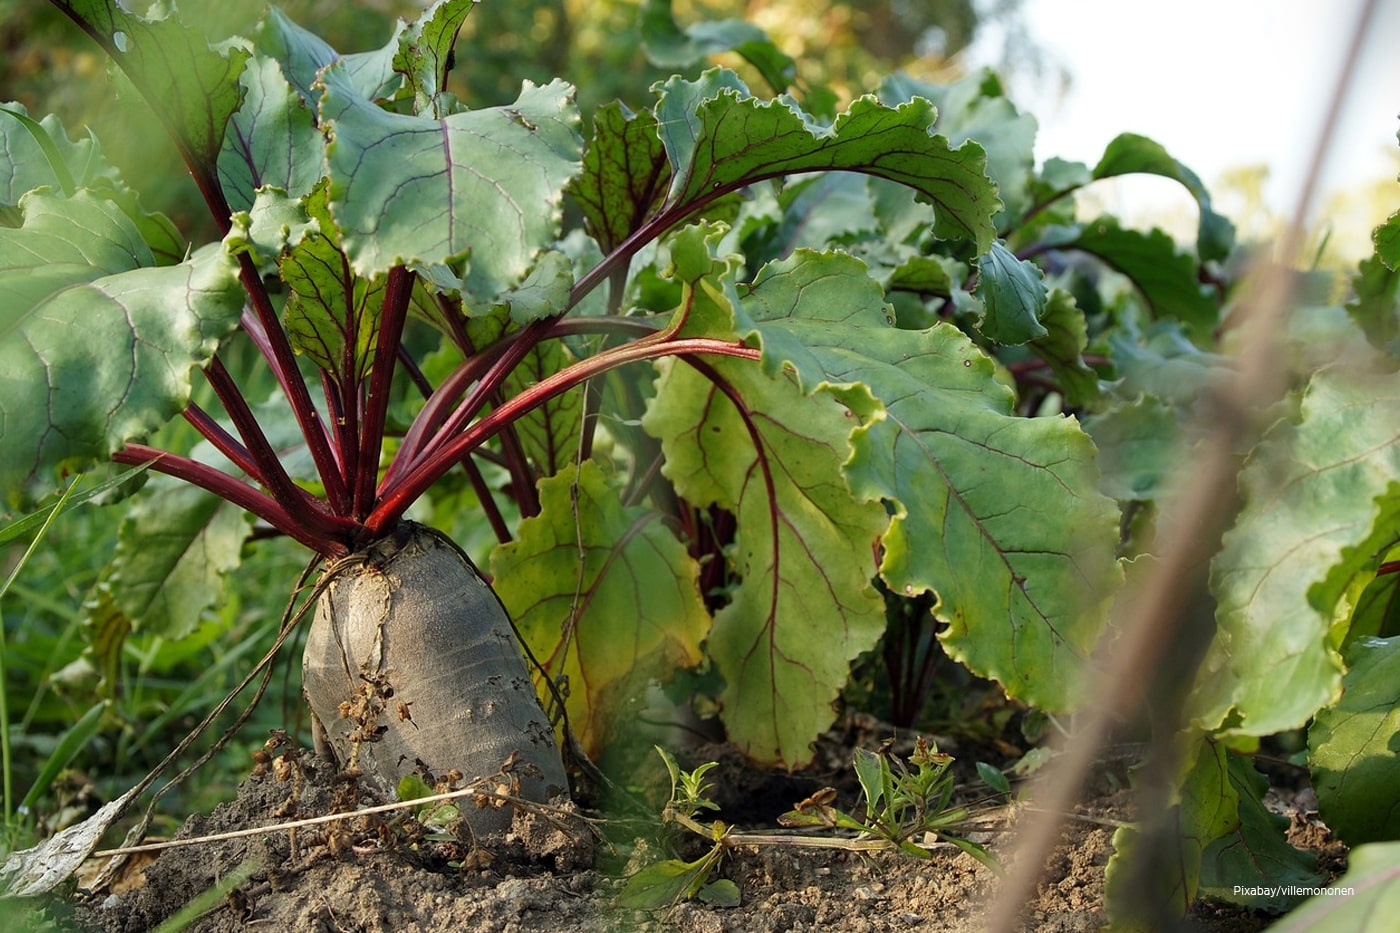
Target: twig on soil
472,791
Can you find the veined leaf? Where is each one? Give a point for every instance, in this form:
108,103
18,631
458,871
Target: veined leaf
603,594
1364,900
271,140
625,174
1255,853
96,346
492,181
1352,747
1321,504
804,606
718,139
976,107
1001,516
425,53
192,86
549,433
1012,293
331,313
173,549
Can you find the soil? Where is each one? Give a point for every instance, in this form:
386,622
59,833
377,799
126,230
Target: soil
553,871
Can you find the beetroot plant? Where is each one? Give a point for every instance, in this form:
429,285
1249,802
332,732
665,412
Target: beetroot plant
723,383
705,376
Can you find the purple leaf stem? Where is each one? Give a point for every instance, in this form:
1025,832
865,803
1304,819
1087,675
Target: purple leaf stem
241,494
395,498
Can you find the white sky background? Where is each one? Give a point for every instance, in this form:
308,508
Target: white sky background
1220,83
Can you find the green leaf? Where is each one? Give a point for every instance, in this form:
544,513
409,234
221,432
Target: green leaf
1144,880
545,290
804,606
549,433
1376,305
1386,237
71,498
665,883
1012,293
331,315
625,174
302,54
1321,504
192,86
71,742
271,140
720,139
667,45
1062,348
1000,515
1163,363
425,53
175,545
1352,747
721,893
1130,153
1253,864
1364,900
873,772
1138,447
494,176
1167,278
97,348
33,157
975,107
993,777
603,594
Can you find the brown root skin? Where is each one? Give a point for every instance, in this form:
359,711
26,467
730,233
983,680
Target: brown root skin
411,665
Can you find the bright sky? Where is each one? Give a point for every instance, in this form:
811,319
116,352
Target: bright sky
1220,83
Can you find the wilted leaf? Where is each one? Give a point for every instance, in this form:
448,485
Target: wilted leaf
44,867
603,593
